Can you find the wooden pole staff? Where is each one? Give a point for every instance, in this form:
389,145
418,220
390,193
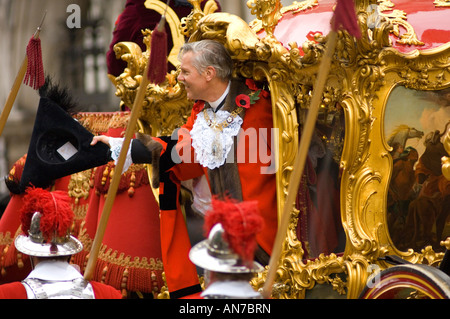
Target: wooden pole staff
300,160
154,62
17,83
112,191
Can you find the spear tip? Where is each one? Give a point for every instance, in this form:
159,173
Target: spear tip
39,28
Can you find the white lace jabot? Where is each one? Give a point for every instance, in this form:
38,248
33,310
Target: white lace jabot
212,145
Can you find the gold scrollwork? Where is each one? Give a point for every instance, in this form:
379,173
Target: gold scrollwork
267,12
189,23
398,18
446,159
79,186
165,106
419,71
295,7
442,3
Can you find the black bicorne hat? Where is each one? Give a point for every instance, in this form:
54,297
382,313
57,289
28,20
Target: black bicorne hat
59,146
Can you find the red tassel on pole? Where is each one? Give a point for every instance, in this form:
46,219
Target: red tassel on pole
158,55
345,17
32,62
35,68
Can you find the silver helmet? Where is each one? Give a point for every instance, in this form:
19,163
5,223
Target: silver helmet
46,219
34,244
214,254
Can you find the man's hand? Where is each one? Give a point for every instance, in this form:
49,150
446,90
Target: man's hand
100,138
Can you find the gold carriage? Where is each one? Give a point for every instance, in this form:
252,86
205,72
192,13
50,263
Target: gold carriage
353,212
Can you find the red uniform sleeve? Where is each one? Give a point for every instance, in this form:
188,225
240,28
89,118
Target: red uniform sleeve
14,290
102,291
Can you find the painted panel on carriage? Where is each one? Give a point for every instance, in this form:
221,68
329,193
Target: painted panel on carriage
418,198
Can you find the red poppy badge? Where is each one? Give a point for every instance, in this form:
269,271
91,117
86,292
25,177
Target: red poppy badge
244,100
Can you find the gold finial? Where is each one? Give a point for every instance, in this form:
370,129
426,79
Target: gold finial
268,11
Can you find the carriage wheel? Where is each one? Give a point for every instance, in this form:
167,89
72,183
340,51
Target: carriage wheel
409,282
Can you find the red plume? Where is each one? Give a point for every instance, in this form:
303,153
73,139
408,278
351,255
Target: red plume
241,222
55,208
157,69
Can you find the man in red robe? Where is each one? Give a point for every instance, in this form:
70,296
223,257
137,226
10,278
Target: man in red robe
227,138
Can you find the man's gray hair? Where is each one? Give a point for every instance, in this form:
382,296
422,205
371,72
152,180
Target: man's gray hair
209,53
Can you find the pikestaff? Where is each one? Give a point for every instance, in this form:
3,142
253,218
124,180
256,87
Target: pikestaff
155,72
344,16
31,69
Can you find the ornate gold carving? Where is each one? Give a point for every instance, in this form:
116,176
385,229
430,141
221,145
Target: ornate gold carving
79,186
446,159
442,3
232,31
420,71
295,7
268,12
356,81
189,23
398,18
165,106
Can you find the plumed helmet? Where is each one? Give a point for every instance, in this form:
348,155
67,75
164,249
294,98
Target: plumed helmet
46,219
229,248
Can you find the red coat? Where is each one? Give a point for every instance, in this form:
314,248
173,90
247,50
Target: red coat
16,290
255,185
181,274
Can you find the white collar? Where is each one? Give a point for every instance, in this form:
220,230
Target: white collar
216,103
238,288
213,145
54,270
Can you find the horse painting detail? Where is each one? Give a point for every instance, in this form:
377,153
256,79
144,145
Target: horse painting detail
419,196
399,136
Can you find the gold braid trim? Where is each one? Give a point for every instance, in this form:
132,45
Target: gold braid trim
98,123
140,274
80,211
5,239
135,177
113,257
9,255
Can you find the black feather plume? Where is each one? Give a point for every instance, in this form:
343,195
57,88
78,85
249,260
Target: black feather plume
60,95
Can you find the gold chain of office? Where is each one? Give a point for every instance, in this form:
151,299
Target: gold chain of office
220,126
